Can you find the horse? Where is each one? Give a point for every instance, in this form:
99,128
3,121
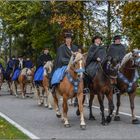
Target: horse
102,85
127,81
71,86
43,97
25,77
1,78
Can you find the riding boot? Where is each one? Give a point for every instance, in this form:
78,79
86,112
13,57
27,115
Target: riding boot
116,90
86,85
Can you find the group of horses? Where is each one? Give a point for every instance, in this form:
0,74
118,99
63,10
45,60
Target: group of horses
124,76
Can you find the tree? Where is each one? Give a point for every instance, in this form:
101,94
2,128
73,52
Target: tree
131,23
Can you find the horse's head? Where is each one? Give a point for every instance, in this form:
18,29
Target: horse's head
26,72
111,66
136,58
48,67
131,60
77,64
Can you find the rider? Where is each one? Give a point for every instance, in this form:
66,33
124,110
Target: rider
28,63
18,65
10,66
117,51
43,58
96,55
63,56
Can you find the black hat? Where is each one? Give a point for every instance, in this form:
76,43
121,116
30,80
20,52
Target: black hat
68,35
96,37
116,37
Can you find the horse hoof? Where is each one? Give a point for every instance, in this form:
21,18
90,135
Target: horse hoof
50,108
108,119
135,121
46,105
39,104
92,118
67,125
78,112
58,115
117,118
103,123
83,127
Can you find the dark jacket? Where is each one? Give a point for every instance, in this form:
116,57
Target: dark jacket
117,51
27,64
63,55
92,64
43,59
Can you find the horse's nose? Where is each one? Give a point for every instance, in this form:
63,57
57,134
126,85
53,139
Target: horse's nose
80,75
113,81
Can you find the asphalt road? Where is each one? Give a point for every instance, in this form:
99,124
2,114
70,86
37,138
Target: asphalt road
44,123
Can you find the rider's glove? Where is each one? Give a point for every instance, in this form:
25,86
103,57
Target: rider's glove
98,59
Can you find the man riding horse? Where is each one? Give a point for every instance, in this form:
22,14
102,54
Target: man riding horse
28,63
96,54
18,65
43,58
63,56
117,51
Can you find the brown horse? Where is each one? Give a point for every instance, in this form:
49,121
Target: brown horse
126,81
25,77
101,85
1,78
44,95
71,86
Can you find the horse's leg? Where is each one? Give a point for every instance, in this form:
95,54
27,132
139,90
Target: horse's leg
80,104
56,107
78,112
111,106
14,85
117,117
100,98
22,86
65,110
132,106
38,95
9,85
47,102
91,117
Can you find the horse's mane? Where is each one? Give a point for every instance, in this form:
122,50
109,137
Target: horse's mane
125,59
48,64
24,71
72,59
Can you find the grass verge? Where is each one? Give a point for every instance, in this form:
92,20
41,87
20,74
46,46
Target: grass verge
8,131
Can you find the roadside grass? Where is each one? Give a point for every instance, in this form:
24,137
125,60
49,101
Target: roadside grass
8,131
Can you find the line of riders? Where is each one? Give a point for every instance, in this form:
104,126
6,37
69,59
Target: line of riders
96,53
66,61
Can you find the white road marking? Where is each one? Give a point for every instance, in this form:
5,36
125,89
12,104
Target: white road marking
123,113
25,131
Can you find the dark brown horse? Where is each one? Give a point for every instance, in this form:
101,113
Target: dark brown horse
71,86
101,85
43,92
126,81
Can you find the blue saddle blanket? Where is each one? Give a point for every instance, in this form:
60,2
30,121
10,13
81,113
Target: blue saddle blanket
39,74
16,74
58,75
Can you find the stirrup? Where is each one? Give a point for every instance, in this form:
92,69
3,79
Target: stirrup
86,90
116,91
